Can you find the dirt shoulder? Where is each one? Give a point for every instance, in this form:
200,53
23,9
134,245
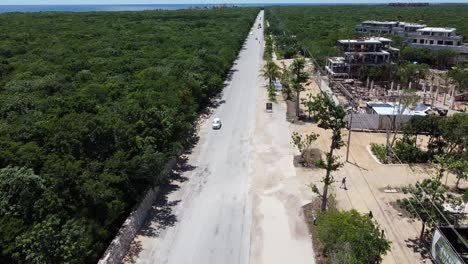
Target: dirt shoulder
279,232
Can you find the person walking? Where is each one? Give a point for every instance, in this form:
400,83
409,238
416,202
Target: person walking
343,183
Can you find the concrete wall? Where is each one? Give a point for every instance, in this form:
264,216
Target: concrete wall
324,87
121,243
363,121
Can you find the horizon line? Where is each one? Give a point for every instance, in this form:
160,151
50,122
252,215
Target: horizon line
368,2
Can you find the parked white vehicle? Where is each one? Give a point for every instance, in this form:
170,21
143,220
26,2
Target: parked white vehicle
216,123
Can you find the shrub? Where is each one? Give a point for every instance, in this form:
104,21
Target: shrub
350,237
380,152
407,151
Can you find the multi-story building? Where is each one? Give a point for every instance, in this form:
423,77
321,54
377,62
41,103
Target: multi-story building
388,27
418,35
358,53
403,29
373,27
436,38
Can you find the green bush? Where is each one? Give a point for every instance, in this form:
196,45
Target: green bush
380,152
350,237
408,152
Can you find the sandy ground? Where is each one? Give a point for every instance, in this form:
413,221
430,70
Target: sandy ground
279,232
366,180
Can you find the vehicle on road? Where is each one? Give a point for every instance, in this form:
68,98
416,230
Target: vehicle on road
216,123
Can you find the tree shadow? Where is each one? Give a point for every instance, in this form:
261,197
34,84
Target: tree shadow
228,77
421,247
133,252
307,119
161,214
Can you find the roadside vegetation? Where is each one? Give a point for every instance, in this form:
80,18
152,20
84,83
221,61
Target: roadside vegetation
92,108
345,236
446,144
315,29
425,202
350,237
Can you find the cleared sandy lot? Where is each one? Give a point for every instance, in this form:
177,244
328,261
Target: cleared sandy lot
366,181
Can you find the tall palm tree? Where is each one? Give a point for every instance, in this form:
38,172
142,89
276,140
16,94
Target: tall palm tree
286,81
270,71
299,76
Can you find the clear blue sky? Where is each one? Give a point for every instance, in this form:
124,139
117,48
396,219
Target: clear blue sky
88,2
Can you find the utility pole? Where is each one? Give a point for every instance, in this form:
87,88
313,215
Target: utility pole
349,128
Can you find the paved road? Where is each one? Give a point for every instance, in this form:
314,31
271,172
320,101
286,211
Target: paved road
212,209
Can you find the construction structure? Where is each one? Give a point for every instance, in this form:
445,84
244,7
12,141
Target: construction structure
418,35
359,53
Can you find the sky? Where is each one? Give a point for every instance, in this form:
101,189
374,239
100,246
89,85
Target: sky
112,2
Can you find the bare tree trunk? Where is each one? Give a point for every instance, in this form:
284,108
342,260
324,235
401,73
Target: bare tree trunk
297,103
327,180
421,236
395,131
323,206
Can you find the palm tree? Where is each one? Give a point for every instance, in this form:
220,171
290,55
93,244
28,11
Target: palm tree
299,76
460,81
270,71
286,82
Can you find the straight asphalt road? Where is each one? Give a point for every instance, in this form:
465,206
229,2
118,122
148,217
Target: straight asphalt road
212,208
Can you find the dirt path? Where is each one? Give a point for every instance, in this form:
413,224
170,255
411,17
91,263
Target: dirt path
279,232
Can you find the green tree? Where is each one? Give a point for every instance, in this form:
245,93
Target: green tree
454,133
350,237
329,116
424,197
303,143
299,76
272,93
412,73
270,71
407,100
460,77
20,193
55,241
286,82
268,46
455,163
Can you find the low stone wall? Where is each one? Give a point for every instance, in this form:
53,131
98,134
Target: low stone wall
121,243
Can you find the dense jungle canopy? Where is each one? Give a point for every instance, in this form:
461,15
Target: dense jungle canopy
92,107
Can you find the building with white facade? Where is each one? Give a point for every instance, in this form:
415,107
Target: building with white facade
417,35
436,38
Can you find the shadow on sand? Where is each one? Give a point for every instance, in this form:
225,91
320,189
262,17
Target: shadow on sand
421,247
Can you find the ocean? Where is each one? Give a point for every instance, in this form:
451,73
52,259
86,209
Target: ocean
109,8
115,8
